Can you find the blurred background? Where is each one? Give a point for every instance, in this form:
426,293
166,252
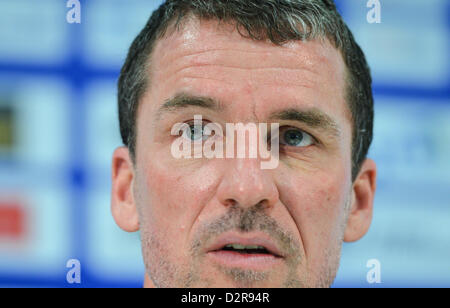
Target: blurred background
59,127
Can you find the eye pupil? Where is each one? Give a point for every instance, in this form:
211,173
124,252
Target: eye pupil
293,137
196,133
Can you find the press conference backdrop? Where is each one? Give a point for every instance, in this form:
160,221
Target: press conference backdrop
58,129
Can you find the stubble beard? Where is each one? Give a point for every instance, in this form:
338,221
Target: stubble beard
165,273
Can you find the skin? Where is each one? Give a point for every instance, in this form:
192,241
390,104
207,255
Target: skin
308,205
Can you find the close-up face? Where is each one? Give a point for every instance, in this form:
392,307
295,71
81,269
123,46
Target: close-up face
224,144
227,222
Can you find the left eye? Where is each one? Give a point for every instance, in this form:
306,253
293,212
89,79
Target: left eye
295,137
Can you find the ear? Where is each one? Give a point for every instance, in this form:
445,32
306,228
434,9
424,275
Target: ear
123,206
361,210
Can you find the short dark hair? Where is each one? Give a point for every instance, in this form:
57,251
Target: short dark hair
279,21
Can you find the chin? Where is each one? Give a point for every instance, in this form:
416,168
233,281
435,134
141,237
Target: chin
232,277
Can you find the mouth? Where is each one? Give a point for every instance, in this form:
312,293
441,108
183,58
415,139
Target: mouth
251,252
242,249
246,249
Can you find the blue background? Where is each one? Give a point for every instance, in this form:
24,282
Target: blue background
60,81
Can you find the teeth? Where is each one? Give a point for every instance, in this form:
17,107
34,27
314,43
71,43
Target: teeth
242,247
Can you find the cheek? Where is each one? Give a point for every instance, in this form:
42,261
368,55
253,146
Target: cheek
325,197
316,202
174,197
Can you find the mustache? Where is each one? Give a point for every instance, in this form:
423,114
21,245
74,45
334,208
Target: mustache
246,220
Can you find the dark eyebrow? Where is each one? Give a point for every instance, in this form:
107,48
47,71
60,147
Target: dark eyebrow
314,118
183,100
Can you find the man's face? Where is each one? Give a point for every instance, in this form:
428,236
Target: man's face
191,209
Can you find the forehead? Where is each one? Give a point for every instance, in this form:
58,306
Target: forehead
213,59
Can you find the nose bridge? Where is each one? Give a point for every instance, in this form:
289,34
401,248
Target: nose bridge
246,184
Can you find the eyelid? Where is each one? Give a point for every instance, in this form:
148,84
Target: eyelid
315,140
192,122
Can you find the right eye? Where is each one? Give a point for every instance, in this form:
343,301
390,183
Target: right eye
194,132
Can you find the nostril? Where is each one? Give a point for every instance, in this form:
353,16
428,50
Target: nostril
262,204
230,202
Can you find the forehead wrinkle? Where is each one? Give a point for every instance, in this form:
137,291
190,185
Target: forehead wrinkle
284,68
197,46
198,37
235,62
259,76
270,83
274,73
178,64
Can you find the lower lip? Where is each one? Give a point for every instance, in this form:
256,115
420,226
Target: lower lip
242,260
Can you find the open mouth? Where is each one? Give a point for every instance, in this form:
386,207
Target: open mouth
246,254
257,251
246,249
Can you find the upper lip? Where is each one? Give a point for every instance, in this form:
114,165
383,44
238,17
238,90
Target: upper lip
247,240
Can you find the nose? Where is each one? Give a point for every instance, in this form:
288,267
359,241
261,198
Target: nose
246,184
